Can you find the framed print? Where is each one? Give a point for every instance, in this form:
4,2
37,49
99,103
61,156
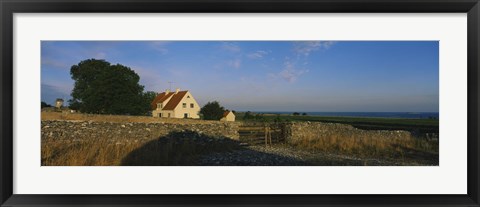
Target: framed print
235,103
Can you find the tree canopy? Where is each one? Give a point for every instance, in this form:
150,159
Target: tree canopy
44,105
103,88
149,96
212,111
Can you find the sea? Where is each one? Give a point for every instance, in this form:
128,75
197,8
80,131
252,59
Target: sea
407,115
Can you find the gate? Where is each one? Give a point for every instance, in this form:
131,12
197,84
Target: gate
258,133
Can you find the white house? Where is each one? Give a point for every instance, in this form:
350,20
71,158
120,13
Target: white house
178,104
228,116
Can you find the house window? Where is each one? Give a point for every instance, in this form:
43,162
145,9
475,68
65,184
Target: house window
185,115
168,115
159,114
159,105
191,105
184,105
188,96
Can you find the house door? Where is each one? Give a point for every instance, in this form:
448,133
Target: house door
185,115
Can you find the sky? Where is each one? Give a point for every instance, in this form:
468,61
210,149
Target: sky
307,76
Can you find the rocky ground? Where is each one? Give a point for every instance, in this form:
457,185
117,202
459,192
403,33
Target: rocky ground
254,156
284,155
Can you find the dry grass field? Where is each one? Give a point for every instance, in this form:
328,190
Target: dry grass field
405,149
182,148
177,148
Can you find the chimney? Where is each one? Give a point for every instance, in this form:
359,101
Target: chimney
177,90
167,91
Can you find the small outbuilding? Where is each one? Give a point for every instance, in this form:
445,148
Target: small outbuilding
59,103
228,116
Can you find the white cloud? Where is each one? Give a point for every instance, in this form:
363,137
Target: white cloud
160,46
289,73
307,47
258,54
236,63
100,55
234,55
54,63
231,47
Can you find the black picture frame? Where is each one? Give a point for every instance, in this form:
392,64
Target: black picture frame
10,7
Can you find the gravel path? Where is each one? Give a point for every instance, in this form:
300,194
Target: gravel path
255,155
281,155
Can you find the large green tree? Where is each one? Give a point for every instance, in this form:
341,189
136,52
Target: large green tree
212,111
149,96
103,88
44,105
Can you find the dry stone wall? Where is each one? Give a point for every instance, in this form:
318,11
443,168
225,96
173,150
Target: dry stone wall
295,131
78,130
317,130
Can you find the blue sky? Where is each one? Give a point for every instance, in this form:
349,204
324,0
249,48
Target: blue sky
324,76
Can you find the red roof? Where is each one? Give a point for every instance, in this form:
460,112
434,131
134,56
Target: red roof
161,97
225,113
175,100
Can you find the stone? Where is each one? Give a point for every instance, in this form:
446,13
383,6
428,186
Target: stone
136,131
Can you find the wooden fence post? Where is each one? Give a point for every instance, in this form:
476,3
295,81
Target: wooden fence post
266,136
269,135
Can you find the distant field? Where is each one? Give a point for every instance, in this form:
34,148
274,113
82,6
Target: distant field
417,125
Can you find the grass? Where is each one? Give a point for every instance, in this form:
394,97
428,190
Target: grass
177,148
401,147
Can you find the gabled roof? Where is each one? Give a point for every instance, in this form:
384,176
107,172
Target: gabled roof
161,97
226,113
175,100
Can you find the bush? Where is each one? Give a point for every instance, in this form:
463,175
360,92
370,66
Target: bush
212,111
